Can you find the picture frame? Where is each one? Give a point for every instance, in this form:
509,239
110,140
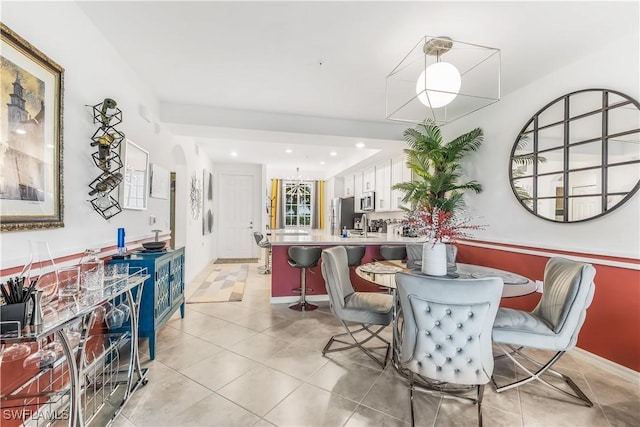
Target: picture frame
207,202
135,185
31,168
159,182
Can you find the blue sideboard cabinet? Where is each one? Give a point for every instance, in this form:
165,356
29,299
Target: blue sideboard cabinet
163,292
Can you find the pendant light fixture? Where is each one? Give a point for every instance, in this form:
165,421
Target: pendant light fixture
442,80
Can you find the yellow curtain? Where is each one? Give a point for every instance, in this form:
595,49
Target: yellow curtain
321,205
274,203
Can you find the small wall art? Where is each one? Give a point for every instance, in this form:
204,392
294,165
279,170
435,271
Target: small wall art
159,186
207,202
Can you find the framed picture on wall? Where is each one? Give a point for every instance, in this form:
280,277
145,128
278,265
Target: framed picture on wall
207,202
136,177
31,136
159,182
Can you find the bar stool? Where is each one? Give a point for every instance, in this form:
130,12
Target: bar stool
355,255
393,252
266,245
304,257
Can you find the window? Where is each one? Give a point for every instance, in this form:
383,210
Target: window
297,204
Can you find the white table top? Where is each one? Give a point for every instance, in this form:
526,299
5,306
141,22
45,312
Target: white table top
383,273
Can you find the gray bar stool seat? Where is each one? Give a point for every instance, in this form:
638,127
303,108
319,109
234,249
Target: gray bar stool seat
266,245
304,257
355,255
393,252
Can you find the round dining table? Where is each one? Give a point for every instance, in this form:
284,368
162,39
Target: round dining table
382,273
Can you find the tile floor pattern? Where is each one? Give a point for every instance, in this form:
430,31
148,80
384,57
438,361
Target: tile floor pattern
251,363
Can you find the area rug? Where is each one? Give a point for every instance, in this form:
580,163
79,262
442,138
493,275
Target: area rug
221,285
235,260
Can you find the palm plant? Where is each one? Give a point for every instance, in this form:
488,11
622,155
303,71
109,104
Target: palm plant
436,165
520,160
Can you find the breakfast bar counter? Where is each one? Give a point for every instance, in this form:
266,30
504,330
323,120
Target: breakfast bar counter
312,237
285,278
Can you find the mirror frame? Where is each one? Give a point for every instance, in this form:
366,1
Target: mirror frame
134,152
531,129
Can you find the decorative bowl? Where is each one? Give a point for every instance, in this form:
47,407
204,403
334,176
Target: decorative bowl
153,245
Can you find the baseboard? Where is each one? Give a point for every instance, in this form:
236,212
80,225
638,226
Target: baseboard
607,365
293,298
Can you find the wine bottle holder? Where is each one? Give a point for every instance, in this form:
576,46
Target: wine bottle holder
107,139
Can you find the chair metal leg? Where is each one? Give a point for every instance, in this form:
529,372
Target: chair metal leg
446,393
411,389
544,368
303,305
347,345
266,268
479,400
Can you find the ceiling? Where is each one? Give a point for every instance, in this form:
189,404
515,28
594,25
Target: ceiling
310,76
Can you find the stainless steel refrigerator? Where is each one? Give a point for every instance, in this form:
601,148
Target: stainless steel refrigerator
342,214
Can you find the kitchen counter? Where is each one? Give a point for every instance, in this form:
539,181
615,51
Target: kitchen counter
315,237
284,278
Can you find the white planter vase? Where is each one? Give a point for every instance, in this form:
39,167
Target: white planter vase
434,259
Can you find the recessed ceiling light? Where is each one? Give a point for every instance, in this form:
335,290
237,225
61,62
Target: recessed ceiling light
234,154
288,150
360,145
333,153
322,163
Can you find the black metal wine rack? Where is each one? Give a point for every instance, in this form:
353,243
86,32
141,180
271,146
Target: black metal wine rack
107,139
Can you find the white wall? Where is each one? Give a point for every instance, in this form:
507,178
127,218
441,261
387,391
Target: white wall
615,67
93,71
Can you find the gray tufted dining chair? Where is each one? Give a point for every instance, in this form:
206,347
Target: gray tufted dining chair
553,325
366,309
446,334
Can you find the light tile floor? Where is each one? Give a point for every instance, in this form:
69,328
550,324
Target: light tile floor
251,363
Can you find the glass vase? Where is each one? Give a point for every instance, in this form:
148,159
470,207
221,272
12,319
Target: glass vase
42,269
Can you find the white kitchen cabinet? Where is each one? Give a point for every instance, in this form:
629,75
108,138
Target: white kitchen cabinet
399,173
369,179
383,186
349,186
357,192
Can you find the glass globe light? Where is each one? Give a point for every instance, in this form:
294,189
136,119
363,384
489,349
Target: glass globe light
443,80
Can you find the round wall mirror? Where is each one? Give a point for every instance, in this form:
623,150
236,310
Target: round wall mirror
578,158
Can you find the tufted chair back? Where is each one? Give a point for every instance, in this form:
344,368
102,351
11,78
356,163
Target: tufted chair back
447,326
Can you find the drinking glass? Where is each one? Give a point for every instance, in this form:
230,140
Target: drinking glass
68,283
14,352
92,274
98,315
114,318
115,274
124,307
41,358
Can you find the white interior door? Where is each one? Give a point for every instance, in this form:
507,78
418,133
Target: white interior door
236,216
